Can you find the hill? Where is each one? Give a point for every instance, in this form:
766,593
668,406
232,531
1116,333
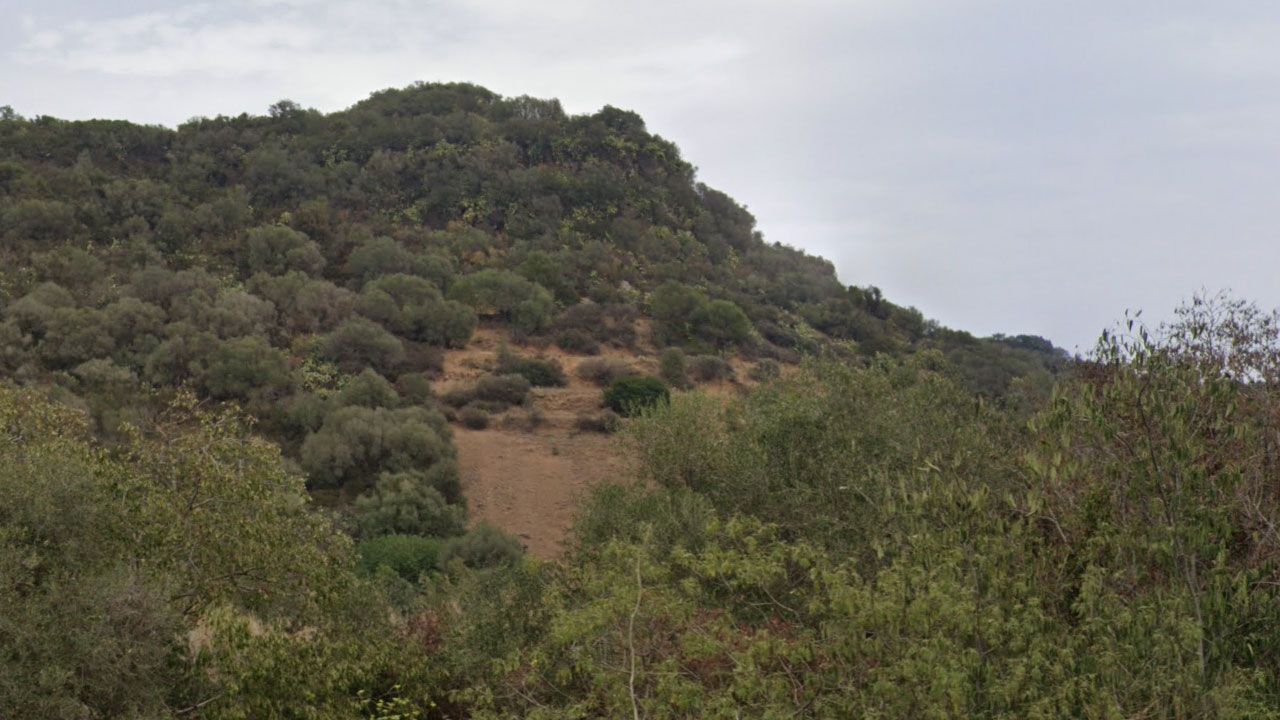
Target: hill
315,269
434,294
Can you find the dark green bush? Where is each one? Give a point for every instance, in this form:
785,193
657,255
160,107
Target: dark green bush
509,389
474,417
458,396
577,341
410,556
483,546
673,367
604,371
539,372
633,395
611,323
408,503
368,389
527,305
415,388
710,368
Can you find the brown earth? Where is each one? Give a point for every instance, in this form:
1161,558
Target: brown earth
528,470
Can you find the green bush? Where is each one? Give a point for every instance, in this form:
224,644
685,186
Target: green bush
409,556
577,341
415,388
633,395
359,343
527,305
407,503
368,389
509,389
483,546
458,396
589,324
539,372
710,368
474,417
604,371
673,367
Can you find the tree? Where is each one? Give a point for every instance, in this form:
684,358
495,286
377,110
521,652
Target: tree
356,444
504,294
368,389
633,395
407,503
722,323
276,250
358,343
243,366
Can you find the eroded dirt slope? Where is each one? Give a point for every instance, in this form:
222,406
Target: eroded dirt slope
527,477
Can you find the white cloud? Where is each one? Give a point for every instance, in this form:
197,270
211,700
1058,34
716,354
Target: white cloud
1029,166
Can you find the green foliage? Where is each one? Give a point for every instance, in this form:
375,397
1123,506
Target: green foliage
846,543
505,389
710,368
244,365
408,502
359,344
526,305
276,250
409,556
604,371
577,341
539,372
356,444
633,395
587,325
368,389
474,417
483,546
673,367
112,564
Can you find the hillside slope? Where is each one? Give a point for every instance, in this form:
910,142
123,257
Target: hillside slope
317,269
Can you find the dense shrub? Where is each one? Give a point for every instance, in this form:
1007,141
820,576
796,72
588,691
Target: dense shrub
243,365
474,417
610,323
526,305
539,372
409,556
721,323
633,395
356,444
368,389
458,395
508,389
710,368
604,371
415,388
577,341
407,503
483,546
673,367
359,343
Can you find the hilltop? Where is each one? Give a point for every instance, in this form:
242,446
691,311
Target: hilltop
316,269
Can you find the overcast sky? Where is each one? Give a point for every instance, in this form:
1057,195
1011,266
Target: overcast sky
1018,167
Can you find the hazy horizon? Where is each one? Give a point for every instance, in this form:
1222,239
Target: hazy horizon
1023,168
